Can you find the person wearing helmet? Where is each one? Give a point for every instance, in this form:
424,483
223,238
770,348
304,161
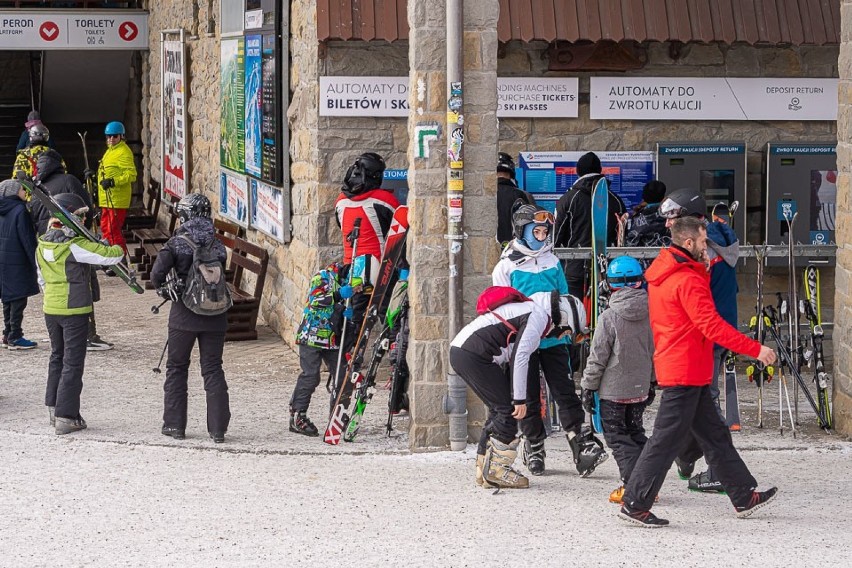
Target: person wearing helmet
509,198
33,119
17,263
116,174
25,167
186,327
508,334
65,261
620,367
529,265
646,227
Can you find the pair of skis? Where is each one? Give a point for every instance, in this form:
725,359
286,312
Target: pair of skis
814,354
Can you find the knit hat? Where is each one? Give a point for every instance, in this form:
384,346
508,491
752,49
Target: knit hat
9,188
32,119
654,191
588,163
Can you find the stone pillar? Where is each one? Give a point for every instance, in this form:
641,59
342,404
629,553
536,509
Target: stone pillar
842,335
428,199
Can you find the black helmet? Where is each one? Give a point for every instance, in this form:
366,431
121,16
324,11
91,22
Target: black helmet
39,134
366,173
505,164
526,214
193,205
683,202
71,202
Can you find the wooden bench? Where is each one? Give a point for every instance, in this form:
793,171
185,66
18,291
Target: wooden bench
227,232
242,317
144,216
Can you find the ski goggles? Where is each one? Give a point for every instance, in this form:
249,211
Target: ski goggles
669,209
543,217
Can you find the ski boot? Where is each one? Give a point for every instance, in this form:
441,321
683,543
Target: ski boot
588,451
757,501
705,483
480,461
497,467
534,456
684,468
301,424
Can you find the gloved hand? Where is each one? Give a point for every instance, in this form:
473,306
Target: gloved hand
88,173
588,399
107,183
346,292
403,274
652,394
348,313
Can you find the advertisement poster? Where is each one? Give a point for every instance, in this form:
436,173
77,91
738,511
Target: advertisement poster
268,210
233,197
548,175
232,107
253,124
173,114
271,125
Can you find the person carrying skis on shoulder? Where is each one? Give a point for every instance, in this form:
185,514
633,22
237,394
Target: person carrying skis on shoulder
318,339
685,325
529,265
620,367
507,334
509,198
18,279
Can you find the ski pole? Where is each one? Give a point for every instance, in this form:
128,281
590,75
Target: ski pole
162,355
352,237
156,309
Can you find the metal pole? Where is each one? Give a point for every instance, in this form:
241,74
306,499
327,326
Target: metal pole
455,403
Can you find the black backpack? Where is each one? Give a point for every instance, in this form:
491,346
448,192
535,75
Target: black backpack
206,291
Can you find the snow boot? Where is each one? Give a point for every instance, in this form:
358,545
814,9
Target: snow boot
174,432
68,425
644,519
497,467
705,483
301,424
588,451
534,456
684,468
217,437
480,461
757,501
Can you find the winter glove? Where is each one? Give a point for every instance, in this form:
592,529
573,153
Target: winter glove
348,313
346,292
652,394
107,183
588,399
403,274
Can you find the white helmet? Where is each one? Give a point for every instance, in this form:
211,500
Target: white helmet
567,312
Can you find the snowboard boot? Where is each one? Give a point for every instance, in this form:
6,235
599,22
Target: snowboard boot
644,519
534,456
588,451
51,410
480,462
757,501
684,468
497,467
705,483
68,425
301,424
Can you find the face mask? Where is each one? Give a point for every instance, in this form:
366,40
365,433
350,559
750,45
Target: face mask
529,238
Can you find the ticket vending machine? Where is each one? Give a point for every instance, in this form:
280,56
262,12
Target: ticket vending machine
717,169
397,180
801,178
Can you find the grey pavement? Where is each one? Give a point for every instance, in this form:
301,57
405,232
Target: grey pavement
121,494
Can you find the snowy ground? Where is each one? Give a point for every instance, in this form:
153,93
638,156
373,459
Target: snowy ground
121,494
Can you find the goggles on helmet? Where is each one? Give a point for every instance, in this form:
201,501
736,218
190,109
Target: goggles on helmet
543,217
669,209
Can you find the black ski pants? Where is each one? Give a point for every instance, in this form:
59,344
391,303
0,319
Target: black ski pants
68,336
311,360
555,363
13,319
685,410
210,347
624,433
492,385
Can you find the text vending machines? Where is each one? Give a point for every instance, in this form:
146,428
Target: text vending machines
717,169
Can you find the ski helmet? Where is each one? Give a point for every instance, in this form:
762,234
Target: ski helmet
71,202
505,164
682,202
366,173
526,214
192,206
114,128
567,312
624,271
39,134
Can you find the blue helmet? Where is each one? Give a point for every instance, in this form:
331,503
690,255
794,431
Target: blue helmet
624,271
114,128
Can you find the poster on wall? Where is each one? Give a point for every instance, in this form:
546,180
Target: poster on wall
253,106
233,197
548,175
271,112
268,210
232,104
175,173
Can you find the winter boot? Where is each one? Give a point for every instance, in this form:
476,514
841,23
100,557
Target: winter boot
50,412
497,467
480,461
705,483
68,425
301,424
218,437
684,468
534,456
174,432
757,501
587,449
644,519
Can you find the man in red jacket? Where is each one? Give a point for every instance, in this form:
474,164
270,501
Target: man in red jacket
686,325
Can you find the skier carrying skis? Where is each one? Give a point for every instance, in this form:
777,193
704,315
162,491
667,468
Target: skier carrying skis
510,333
509,197
620,367
685,326
116,174
529,265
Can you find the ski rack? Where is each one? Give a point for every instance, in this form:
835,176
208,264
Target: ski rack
746,251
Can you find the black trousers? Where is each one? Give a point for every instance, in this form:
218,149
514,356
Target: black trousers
624,433
685,410
555,363
210,347
311,360
13,318
67,359
493,387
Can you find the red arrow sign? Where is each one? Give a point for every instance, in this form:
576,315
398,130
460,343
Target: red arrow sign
128,31
48,31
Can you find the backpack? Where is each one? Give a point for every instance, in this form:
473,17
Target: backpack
495,296
206,291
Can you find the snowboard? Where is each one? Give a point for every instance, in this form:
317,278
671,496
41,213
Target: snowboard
599,290
66,218
815,356
344,408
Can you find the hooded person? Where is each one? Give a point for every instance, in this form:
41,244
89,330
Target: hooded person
17,263
509,198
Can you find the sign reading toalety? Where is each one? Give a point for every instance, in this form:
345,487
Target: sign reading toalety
68,29
713,98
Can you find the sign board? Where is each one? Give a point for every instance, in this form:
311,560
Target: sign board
545,98
548,175
271,122
397,180
45,30
232,104
713,98
269,210
173,119
253,105
233,197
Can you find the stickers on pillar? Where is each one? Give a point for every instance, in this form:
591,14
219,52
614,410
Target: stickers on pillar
455,89
455,118
454,104
454,151
455,185
454,208
786,209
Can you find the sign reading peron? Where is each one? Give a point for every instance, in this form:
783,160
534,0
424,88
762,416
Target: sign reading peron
44,30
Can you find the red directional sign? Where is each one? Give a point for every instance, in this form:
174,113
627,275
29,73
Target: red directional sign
48,31
128,31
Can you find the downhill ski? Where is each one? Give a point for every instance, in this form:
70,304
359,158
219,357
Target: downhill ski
397,321
814,355
599,289
343,408
757,371
722,213
334,379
